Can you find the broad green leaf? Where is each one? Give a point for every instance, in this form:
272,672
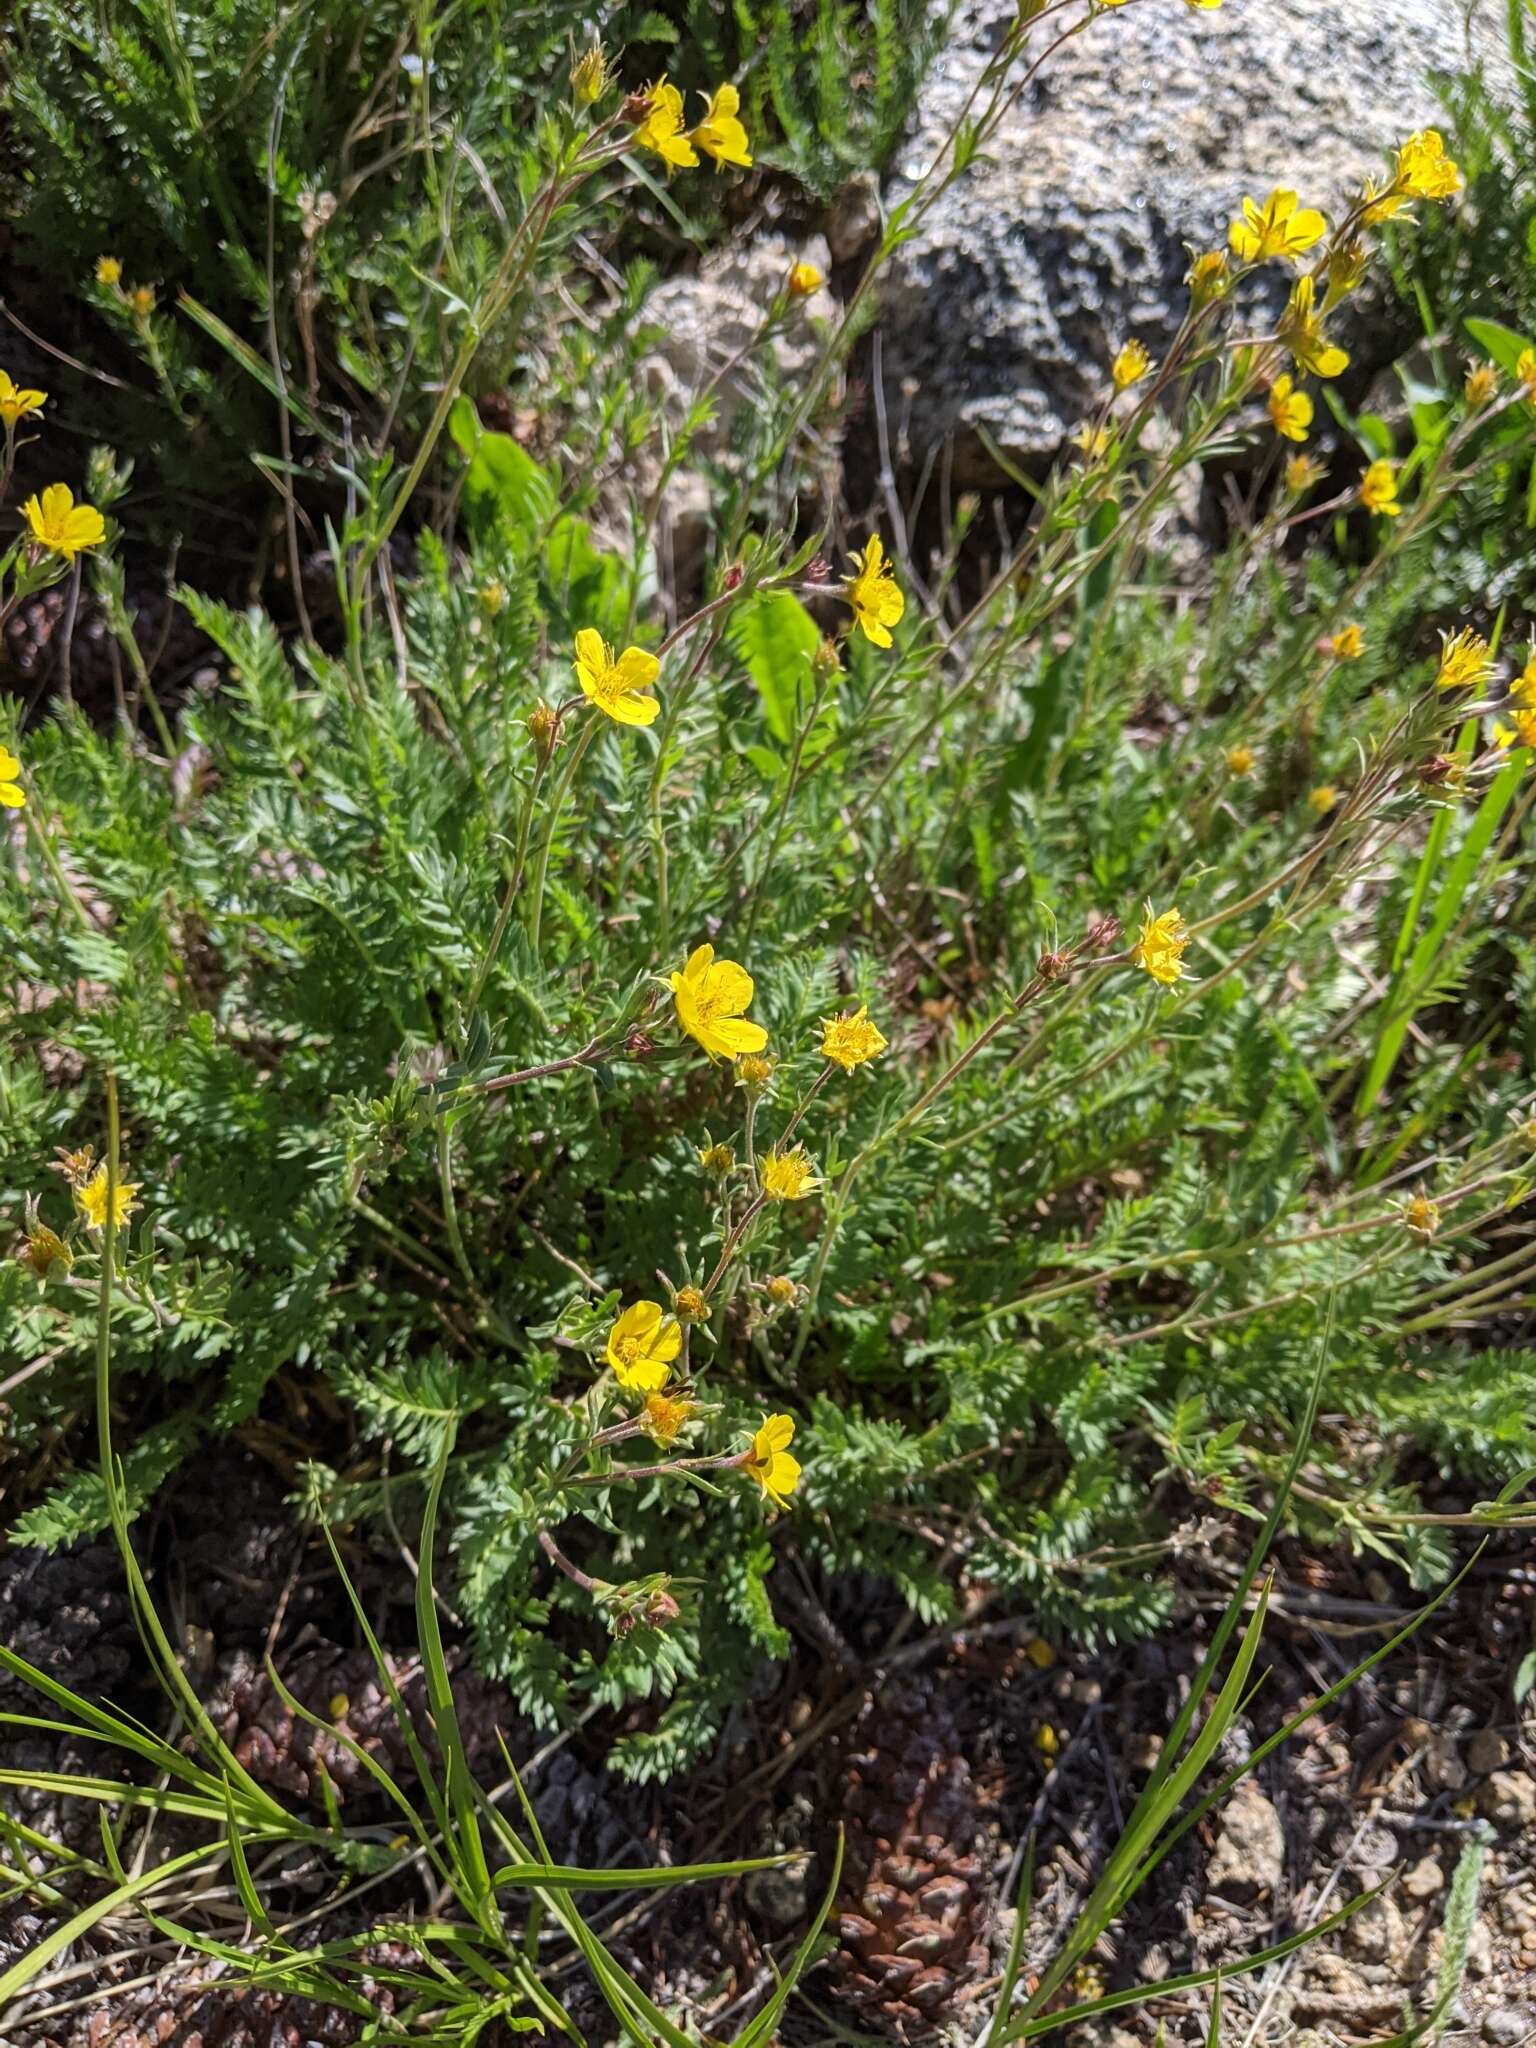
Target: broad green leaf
776,637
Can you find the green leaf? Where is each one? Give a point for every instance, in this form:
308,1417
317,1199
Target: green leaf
775,637
1501,342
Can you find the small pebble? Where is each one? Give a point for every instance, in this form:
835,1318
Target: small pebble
1487,1751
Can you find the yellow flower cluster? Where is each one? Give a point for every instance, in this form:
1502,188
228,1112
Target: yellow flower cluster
719,134
12,795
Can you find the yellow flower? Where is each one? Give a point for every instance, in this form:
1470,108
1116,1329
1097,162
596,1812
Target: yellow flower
769,1462
1047,1741
589,75
1482,384
754,1071
1302,474
666,1416
1290,410
1323,799
45,1250
493,597
1277,228
15,404
1160,944
92,1198
1093,441
1424,171
711,996
1301,329
1130,365
1040,1653
142,300
804,278
716,1158
662,129
1523,688
108,270
1466,661
1207,277
618,687
690,1305
780,1290
62,526
1525,371
1521,732
1378,489
874,594
720,133
1422,1216
12,795
1348,644
850,1039
1241,759
642,1345
787,1176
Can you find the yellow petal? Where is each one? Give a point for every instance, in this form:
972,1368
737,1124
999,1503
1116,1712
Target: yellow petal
10,767
667,1344
698,963
635,668
729,1036
632,710
11,797
731,985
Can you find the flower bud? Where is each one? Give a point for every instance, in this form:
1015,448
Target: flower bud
780,1290
690,1306
544,729
826,662
1481,385
589,76
660,1610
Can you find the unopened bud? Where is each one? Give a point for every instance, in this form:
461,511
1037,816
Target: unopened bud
1103,932
589,76
1050,966
826,662
1481,385
636,106
780,1290
690,1306
732,578
544,728
661,1609
818,570
639,1046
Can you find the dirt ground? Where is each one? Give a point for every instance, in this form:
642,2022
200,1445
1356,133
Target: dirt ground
1006,1734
